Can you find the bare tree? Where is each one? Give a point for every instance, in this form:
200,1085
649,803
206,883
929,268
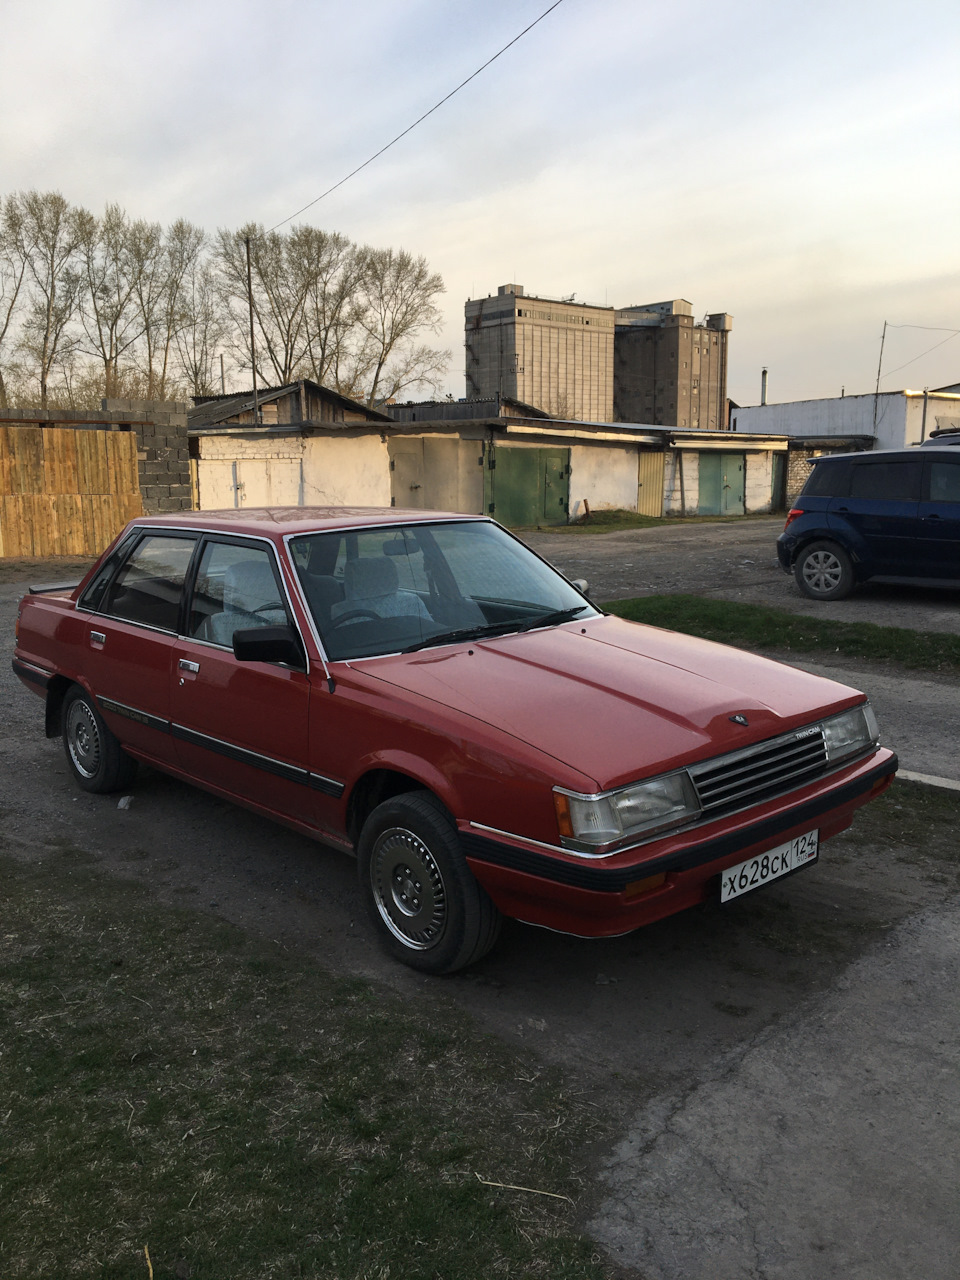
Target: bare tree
398,295
333,269
201,329
111,318
48,237
166,262
13,270
111,306
279,299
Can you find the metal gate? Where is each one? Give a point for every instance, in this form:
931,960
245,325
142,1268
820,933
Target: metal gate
650,484
722,487
528,486
438,473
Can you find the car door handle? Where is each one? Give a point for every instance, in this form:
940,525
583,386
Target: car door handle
934,515
98,638
185,665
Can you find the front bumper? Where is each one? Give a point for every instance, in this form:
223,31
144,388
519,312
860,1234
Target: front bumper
603,898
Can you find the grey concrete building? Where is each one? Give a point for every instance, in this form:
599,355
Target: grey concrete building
650,363
667,369
554,354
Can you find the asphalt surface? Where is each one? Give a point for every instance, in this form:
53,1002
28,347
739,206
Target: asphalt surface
828,1144
827,1147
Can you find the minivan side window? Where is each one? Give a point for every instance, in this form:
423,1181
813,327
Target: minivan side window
895,481
945,481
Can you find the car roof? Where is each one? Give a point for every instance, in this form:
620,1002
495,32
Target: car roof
928,449
284,521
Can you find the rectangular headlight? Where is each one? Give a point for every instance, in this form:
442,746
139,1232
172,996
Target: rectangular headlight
640,809
854,731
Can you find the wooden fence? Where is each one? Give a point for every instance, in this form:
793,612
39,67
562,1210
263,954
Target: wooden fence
65,491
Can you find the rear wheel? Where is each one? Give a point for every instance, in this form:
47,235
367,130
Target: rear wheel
96,758
824,571
427,908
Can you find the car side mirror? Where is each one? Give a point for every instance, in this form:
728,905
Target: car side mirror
582,585
268,644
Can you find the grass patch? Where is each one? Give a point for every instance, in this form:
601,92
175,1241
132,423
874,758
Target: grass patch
169,1083
755,626
620,520
919,820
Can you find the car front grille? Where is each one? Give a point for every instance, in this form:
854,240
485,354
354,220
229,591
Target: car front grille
756,773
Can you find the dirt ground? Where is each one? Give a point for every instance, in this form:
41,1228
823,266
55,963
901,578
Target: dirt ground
636,1018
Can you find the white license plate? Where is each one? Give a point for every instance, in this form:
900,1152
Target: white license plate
769,866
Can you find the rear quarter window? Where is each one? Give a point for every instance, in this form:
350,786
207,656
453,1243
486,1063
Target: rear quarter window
828,480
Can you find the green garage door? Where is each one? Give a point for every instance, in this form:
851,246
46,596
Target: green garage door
721,484
528,486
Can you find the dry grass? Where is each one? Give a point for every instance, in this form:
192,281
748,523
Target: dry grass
169,1084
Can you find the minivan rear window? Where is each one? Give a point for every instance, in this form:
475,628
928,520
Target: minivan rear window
828,480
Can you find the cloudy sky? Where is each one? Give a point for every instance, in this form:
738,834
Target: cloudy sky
795,165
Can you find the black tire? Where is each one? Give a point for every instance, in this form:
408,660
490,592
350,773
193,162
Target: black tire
426,907
824,571
94,756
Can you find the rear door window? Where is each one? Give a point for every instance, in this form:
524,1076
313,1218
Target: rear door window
149,587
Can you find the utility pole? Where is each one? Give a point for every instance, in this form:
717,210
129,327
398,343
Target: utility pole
253,352
876,394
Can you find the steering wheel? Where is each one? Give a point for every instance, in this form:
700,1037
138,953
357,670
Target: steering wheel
275,607
355,615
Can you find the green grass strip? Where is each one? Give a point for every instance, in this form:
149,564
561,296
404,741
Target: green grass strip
754,626
619,521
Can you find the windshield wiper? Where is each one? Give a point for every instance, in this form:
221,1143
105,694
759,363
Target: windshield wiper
552,619
497,628
464,633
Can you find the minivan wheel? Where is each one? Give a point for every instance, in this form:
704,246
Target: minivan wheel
824,571
428,910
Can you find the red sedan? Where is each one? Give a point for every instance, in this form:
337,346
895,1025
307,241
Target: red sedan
424,690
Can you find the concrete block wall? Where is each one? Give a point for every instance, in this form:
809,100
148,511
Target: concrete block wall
163,457
798,468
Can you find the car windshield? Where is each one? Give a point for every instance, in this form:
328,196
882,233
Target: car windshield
404,587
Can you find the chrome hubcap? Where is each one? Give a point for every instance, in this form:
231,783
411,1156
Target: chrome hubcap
83,739
822,571
408,889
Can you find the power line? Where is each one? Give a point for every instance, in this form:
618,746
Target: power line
952,333
410,128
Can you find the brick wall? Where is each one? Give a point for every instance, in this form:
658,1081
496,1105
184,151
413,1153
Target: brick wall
163,457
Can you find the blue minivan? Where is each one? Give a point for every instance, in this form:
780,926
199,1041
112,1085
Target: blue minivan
891,516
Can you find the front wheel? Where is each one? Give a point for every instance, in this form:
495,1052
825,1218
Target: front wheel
96,758
824,571
427,908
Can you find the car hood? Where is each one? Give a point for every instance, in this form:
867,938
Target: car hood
617,700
